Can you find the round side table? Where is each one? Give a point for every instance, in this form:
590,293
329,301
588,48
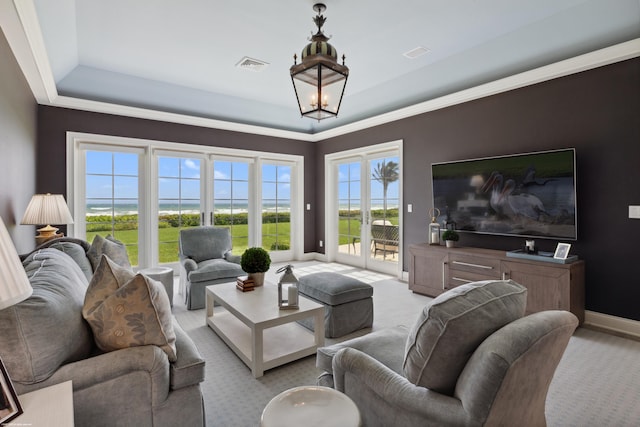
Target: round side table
310,406
163,275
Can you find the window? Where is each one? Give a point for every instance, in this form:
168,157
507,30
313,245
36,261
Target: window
111,198
349,211
276,207
178,202
231,200
144,192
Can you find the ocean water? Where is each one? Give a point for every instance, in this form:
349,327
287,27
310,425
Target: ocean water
173,208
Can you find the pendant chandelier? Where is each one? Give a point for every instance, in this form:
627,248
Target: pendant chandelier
319,80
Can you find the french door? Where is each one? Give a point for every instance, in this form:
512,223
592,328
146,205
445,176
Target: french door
144,192
365,219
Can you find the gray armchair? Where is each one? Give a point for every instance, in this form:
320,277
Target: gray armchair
205,259
457,366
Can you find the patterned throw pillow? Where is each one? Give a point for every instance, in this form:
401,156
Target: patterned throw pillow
126,310
109,246
106,280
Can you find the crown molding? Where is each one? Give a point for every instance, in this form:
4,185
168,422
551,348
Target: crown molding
19,21
588,61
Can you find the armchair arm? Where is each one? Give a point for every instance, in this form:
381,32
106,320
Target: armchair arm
189,368
189,265
387,398
232,258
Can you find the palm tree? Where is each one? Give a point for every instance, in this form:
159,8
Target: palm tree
386,173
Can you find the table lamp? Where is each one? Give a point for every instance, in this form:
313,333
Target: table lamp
47,209
14,284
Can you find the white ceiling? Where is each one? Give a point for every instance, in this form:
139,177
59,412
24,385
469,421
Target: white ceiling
180,56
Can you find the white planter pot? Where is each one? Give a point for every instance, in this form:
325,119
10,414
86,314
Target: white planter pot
258,278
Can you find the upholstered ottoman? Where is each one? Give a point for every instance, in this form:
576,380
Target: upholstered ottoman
348,302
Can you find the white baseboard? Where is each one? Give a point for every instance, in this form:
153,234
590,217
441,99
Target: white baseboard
313,256
612,323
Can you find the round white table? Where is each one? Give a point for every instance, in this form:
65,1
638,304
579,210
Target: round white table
310,406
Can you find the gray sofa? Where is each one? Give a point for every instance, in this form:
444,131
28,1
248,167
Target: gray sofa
45,340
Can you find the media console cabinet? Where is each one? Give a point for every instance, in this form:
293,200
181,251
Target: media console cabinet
550,286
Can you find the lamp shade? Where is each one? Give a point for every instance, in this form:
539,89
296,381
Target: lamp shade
47,209
14,284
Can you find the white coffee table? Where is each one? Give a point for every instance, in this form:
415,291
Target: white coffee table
262,335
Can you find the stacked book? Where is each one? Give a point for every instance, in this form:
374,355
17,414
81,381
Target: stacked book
245,284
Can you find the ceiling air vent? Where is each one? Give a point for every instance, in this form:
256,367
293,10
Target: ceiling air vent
251,64
414,53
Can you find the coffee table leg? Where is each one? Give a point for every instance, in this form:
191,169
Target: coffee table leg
257,334
318,327
209,304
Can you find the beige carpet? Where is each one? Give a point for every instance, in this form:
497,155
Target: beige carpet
597,382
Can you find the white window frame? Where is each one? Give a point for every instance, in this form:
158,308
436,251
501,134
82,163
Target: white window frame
148,187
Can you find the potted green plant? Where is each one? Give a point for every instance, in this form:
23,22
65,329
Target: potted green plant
450,236
255,262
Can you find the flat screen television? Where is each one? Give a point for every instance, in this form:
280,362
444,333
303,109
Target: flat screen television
525,195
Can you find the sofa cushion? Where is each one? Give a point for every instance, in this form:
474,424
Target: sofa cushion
78,254
213,269
203,243
384,345
53,310
109,246
453,325
134,313
75,248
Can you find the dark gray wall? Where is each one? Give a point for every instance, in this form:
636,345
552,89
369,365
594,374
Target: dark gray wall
18,146
53,124
597,112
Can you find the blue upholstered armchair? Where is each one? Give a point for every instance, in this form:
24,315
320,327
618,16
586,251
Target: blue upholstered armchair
471,359
205,259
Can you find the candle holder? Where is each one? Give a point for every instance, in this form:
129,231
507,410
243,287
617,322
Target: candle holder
434,227
289,281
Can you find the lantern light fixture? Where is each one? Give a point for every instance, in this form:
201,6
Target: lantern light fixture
318,80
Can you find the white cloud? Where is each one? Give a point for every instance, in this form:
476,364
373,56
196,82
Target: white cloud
191,164
219,175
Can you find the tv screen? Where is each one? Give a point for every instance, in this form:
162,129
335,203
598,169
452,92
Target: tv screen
527,195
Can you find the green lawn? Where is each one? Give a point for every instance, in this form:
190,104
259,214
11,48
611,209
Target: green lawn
168,238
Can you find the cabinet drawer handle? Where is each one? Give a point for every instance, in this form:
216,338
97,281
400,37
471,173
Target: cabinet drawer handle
444,267
468,264
461,280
